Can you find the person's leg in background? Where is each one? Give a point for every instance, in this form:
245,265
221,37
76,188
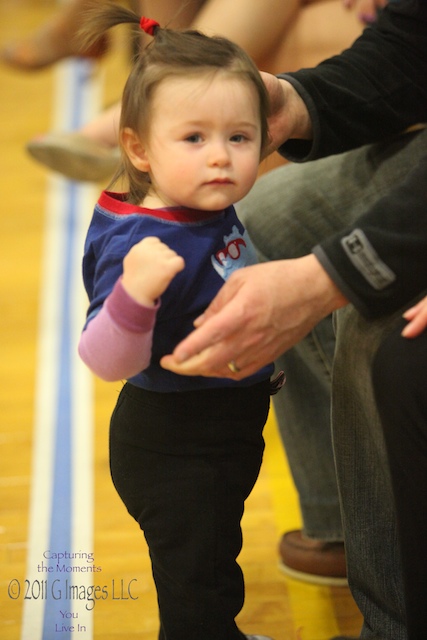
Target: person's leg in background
315,554
400,385
368,513
258,28
288,211
53,41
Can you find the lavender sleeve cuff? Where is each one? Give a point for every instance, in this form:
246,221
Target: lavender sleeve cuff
129,314
116,343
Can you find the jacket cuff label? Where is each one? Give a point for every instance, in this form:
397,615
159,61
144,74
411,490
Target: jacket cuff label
366,260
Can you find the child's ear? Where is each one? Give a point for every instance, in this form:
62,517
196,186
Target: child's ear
135,149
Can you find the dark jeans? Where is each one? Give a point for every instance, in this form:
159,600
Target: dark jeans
400,384
183,464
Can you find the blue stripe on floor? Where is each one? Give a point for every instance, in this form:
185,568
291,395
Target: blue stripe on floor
61,518
58,515
61,524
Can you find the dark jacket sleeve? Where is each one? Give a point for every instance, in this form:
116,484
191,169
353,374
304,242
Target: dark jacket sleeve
373,90
380,264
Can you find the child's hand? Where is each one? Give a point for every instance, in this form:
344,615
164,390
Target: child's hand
417,317
148,269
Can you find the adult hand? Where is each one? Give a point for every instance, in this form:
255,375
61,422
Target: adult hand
289,117
259,313
417,319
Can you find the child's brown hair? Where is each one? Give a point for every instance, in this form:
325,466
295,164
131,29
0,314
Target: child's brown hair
170,54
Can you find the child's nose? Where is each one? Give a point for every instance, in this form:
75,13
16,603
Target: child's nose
219,155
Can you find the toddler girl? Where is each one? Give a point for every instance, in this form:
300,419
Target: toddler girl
185,451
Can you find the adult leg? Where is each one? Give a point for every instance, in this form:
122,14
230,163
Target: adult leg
368,513
288,211
368,510
54,40
258,28
400,384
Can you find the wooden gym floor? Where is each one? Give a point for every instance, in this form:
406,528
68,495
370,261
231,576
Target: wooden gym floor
56,496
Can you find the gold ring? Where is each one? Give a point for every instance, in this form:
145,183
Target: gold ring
233,366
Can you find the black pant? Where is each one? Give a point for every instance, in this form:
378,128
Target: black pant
183,464
400,382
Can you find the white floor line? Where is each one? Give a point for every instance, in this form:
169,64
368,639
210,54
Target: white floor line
63,395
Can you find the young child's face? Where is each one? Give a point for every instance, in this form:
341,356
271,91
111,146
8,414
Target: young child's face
203,148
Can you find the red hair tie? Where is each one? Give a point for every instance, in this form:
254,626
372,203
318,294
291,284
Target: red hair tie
148,25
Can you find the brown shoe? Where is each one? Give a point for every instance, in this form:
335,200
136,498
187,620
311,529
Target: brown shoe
312,560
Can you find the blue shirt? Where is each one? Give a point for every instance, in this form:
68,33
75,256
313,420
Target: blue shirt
213,244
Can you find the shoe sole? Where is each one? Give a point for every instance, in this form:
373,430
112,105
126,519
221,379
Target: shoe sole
81,166
311,578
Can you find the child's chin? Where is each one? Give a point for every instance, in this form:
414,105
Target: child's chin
215,204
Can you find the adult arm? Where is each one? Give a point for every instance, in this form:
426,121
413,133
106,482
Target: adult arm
260,312
380,263
374,89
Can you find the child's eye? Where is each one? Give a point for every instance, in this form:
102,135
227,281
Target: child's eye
194,137
238,137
